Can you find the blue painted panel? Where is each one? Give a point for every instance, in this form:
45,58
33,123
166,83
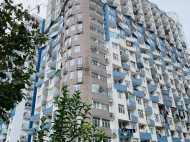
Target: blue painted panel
124,56
154,99
162,138
168,103
176,140
145,136
120,87
139,93
180,107
35,117
165,92
132,104
126,66
134,119
152,87
51,74
127,134
187,101
48,111
48,125
151,122
118,75
136,81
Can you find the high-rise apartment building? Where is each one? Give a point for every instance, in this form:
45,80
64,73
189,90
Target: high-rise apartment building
129,60
19,117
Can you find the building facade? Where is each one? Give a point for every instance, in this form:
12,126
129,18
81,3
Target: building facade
19,117
130,61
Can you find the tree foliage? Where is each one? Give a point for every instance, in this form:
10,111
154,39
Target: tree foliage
19,40
72,121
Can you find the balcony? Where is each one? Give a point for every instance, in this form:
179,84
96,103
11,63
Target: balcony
156,79
51,74
44,100
140,64
138,93
131,105
176,97
79,20
120,87
178,128
154,99
186,100
153,70
48,111
4,130
124,56
35,117
148,109
168,103
165,92
145,136
45,90
57,81
118,75
55,94
79,80
25,126
162,138
28,105
124,133
152,87
134,119
52,64
142,72
41,73
151,122
47,125
26,115
40,82
32,130
126,66
165,75
176,140
180,107
79,31
136,81
42,64
100,113
23,138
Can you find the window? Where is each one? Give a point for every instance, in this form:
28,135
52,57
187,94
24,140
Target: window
158,67
158,94
77,37
94,75
115,57
140,34
79,16
96,121
59,64
135,140
119,95
151,130
72,27
182,124
43,58
111,17
154,105
114,35
144,90
132,64
38,99
77,6
146,61
71,75
128,84
156,117
76,87
114,46
147,71
107,140
132,54
105,107
106,123
140,113
121,109
170,122
72,62
142,78
138,100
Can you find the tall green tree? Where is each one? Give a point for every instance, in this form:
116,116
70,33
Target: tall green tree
20,37
72,121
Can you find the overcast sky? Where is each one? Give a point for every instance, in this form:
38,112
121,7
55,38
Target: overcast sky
181,7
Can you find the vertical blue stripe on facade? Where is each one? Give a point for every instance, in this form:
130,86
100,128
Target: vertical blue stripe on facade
35,88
